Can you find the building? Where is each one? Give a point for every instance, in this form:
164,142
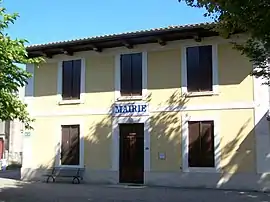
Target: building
172,106
11,138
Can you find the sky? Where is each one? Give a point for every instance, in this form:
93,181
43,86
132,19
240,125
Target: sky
43,21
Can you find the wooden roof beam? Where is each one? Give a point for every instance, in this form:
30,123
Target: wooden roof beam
161,42
46,54
128,45
97,49
197,38
68,52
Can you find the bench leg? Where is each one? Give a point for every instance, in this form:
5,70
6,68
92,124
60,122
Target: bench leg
48,179
76,180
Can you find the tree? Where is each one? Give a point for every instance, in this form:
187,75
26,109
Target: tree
248,16
12,77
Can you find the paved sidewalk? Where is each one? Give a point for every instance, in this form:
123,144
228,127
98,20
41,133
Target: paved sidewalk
11,174
15,191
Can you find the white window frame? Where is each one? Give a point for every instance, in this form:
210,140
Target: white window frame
185,142
118,96
215,84
116,138
59,142
60,83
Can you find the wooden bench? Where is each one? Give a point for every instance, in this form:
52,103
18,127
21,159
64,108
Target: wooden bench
65,172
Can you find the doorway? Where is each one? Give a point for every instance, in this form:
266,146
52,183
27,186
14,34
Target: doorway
1,148
70,146
131,161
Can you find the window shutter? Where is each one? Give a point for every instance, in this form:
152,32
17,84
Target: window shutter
126,75
194,144
205,68
207,144
199,68
76,81
75,144
67,80
65,145
193,76
137,74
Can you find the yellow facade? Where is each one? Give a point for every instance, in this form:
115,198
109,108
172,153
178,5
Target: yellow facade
236,126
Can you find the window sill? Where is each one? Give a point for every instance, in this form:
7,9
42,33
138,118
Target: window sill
202,170
198,94
70,102
130,98
69,166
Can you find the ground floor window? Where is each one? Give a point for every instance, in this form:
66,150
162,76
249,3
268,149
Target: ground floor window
70,145
201,151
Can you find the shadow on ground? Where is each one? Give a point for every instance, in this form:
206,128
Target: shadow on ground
11,174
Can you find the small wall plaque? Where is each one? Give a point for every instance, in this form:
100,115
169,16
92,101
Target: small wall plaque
161,155
27,133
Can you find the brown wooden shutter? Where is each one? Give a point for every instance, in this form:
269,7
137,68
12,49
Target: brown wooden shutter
205,67
76,80
199,68
137,74
207,144
194,144
65,146
67,80
75,145
193,76
126,88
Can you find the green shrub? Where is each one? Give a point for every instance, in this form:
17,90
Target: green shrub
14,166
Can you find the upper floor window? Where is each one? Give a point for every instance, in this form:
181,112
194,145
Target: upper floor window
71,79
131,74
199,68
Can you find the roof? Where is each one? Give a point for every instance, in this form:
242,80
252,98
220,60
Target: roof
128,39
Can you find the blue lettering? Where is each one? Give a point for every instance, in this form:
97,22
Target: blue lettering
117,109
124,109
134,108
139,108
143,108
121,109
130,108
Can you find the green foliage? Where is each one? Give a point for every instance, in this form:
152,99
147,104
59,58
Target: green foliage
14,166
12,77
250,16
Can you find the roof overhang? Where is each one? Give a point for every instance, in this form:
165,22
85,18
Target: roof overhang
129,40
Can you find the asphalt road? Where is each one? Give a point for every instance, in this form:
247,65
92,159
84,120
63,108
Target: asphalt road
16,191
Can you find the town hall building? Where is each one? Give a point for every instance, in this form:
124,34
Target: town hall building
172,106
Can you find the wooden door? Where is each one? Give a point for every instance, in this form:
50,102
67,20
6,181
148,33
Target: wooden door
131,164
1,148
70,147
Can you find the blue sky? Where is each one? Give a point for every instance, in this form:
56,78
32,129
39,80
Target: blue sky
44,21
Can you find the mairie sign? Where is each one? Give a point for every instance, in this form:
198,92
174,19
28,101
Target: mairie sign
130,108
